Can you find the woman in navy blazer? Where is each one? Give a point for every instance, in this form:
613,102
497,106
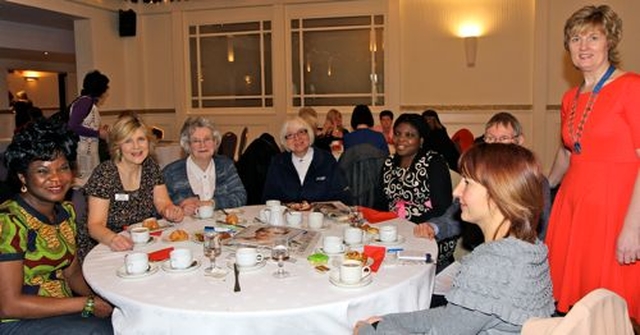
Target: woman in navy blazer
303,172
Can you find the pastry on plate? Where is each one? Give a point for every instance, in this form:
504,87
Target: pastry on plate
178,235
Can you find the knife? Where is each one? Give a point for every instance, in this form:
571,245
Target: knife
236,273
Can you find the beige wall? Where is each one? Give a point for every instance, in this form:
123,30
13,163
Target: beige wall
521,65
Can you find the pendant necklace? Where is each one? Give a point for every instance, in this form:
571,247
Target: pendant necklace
575,133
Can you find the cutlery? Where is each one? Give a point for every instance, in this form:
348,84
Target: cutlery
236,273
224,212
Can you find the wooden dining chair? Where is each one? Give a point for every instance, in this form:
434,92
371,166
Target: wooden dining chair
243,141
228,145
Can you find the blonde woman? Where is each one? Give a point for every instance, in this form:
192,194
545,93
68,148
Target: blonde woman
127,189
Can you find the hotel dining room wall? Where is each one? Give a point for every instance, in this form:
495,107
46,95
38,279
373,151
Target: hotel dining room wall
520,63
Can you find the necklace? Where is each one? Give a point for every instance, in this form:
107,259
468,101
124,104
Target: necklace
575,133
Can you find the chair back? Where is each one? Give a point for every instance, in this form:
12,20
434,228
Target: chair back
601,312
228,145
253,165
362,165
243,141
463,139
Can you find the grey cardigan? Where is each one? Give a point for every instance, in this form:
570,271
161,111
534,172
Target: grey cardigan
500,285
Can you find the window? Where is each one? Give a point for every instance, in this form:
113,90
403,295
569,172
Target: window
230,65
338,61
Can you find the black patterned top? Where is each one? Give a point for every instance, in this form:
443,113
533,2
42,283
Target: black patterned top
125,207
419,192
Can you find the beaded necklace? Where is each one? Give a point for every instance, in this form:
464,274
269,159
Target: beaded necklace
575,133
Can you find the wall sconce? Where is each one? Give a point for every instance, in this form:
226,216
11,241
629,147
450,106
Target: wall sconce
470,33
231,54
470,50
30,79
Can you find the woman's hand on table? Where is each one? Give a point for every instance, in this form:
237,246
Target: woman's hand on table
190,205
102,309
368,321
173,213
424,230
120,242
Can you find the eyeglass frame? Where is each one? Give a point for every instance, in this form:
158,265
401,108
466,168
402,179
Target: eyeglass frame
297,134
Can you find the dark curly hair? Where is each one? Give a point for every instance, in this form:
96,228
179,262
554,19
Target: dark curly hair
42,139
94,84
415,121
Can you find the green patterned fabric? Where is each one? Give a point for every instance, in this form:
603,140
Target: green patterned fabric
45,248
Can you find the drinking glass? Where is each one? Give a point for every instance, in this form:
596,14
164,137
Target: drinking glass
280,253
212,249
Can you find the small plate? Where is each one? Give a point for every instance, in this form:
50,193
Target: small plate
216,273
122,272
325,226
256,267
236,211
164,224
333,253
152,240
165,237
197,217
166,266
398,241
364,282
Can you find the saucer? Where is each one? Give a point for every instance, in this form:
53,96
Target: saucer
366,280
236,211
162,225
325,226
152,240
166,266
252,268
216,273
398,241
122,272
332,253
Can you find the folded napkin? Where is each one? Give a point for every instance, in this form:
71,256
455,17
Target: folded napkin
377,253
160,255
375,216
157,233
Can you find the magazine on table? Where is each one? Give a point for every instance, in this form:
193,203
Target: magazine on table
301,241
335,210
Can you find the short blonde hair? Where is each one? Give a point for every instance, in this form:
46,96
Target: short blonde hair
298,123
602,17
126,125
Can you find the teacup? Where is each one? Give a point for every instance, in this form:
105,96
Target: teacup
139,235
388,233
352,271
271,203
332,244
247,257
136,263
180,258
204,211
353,235
316,220
294,218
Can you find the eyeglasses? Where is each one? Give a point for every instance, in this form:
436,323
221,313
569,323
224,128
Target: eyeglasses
297,134
199,141
501,139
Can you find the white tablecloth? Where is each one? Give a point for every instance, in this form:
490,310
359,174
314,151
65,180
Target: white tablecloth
306,303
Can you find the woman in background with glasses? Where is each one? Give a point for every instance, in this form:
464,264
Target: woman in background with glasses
303,173
203,175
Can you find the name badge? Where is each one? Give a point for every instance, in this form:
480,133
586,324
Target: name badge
122,197
321,178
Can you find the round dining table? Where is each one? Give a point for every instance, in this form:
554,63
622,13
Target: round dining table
306,302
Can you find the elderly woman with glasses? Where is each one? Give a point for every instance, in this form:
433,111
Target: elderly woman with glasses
203,176
303,173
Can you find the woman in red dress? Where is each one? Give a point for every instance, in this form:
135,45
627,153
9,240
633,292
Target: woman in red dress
594,228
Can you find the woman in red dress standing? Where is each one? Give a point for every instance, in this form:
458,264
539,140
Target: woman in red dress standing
594,229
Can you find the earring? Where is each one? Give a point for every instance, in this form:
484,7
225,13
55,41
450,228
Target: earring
23,189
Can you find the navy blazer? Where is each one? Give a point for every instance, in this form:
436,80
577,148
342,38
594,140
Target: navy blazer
324,180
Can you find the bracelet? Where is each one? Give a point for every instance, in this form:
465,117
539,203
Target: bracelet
89,307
